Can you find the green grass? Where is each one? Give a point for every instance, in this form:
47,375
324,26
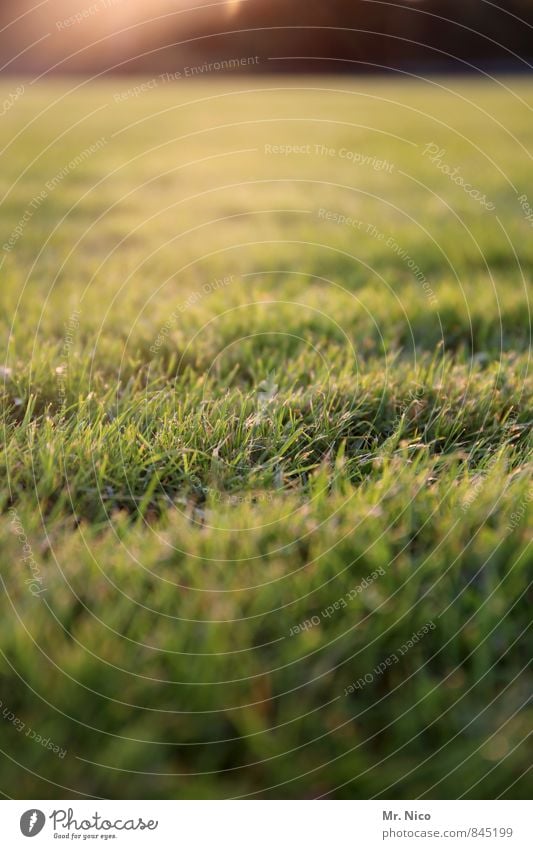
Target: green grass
225,415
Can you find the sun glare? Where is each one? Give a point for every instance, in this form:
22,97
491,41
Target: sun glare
139,8
233,6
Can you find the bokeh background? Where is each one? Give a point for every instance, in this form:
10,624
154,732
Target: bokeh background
130,36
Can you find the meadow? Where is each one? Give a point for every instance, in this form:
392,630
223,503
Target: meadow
265,513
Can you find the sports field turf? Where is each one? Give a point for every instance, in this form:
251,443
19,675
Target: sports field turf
266,405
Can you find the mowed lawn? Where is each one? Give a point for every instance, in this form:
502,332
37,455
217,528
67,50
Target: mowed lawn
266,468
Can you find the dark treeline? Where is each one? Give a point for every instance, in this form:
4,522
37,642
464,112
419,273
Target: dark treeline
365,35
319,35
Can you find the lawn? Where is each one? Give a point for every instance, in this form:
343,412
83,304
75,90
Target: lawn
266,505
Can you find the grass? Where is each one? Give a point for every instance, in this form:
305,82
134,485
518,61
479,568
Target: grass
266,509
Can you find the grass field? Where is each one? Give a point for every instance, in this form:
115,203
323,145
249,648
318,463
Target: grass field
266,405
